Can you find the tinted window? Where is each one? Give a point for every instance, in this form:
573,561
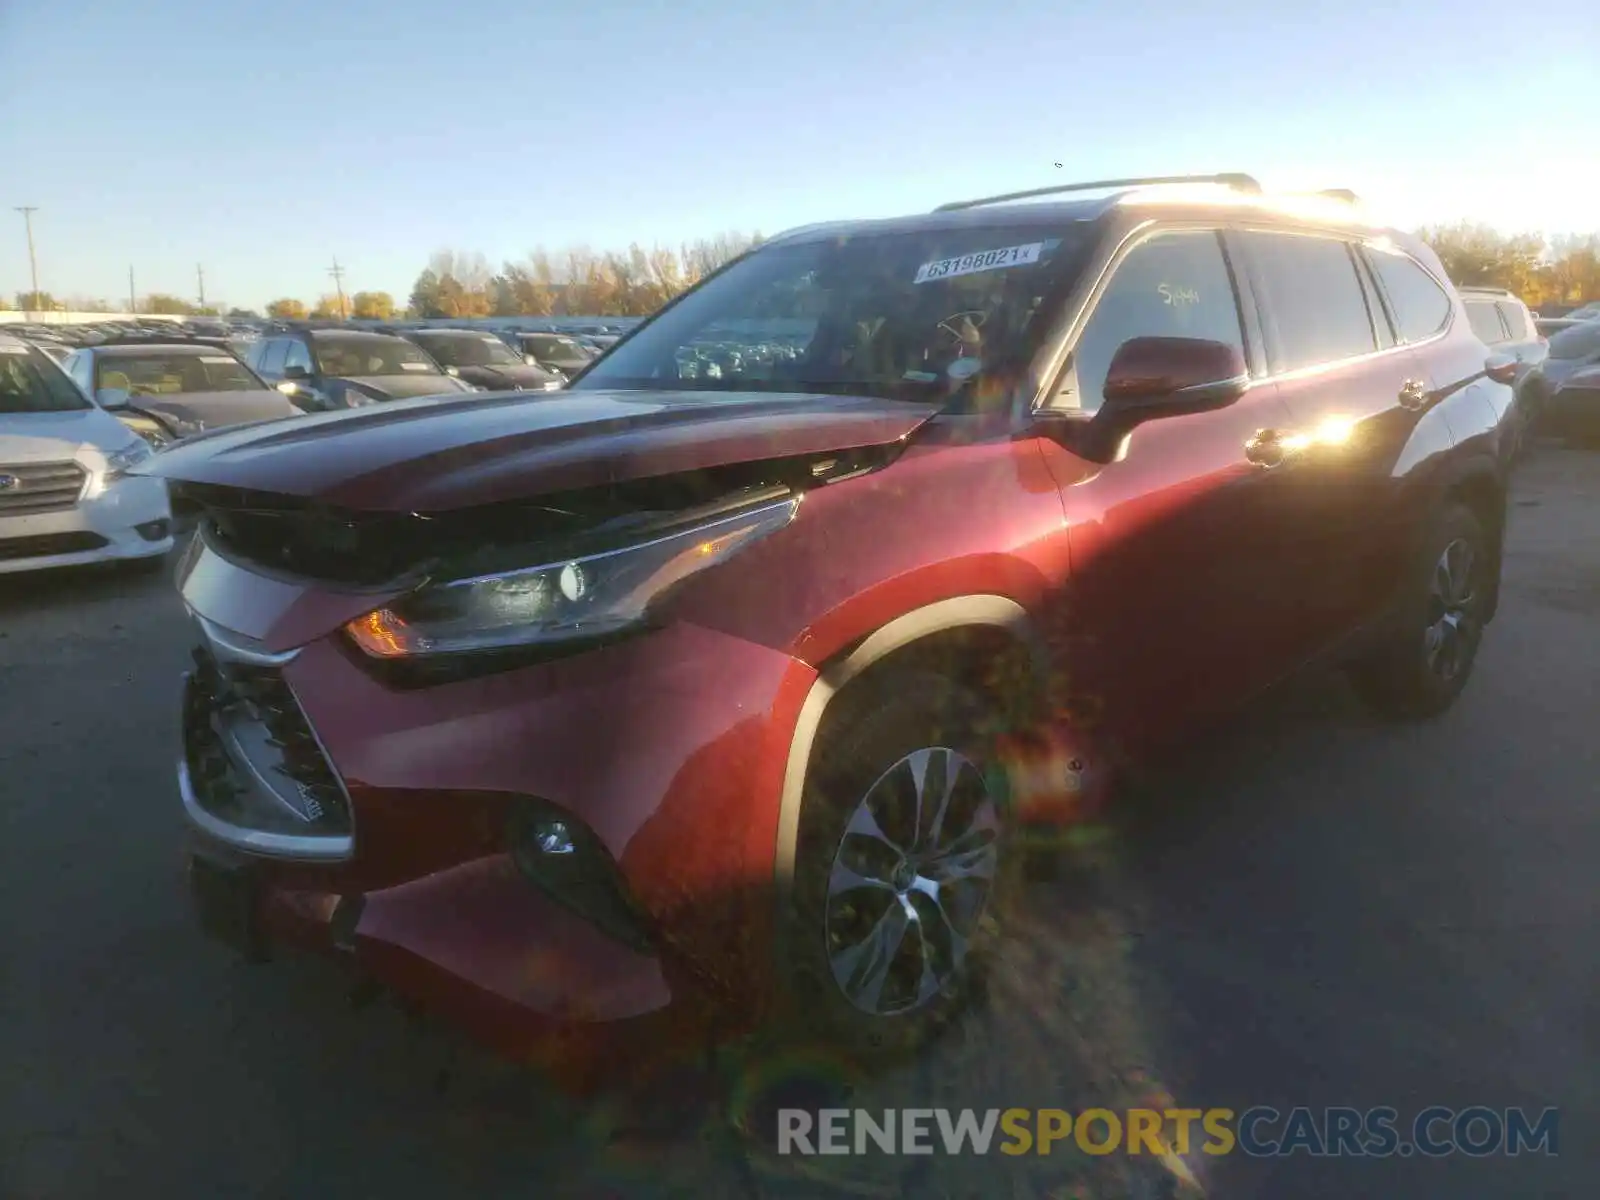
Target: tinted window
31,382
1174,285
343,356
174,374
271,358
81,367
1485,321
920,315
1516,319
467,349
1420,305
1312,304
296,355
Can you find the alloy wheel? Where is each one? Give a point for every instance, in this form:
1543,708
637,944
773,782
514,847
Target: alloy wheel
1452,628
909,882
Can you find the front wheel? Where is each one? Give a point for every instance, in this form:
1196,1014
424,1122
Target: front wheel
1425,659
902,864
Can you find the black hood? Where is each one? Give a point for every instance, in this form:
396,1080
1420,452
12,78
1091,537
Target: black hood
395,387
507,377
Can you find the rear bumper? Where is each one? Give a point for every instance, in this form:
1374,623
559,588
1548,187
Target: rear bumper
130,519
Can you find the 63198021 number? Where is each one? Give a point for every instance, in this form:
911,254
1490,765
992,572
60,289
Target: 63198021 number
983,260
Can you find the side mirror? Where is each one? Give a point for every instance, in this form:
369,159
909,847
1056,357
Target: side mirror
296,372
1166,376
1502,368
112,398
288,387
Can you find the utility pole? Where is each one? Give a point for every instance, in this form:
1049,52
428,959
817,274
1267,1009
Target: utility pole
338,284
133,303
33,263
200,276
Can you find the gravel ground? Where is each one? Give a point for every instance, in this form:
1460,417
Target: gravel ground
1310,909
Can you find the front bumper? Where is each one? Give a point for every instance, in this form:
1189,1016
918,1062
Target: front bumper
670,747
129,519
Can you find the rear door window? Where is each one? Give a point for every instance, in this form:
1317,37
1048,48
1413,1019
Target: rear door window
1175,284
1484,317
1312,304
1420,305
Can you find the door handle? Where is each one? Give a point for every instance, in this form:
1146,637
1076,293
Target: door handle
1267,448
1413,395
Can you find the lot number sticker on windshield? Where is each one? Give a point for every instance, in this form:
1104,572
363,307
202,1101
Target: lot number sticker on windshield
215,358
984,260
415,367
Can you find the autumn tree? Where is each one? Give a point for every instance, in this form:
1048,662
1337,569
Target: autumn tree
425,295
372,306
331,308
166,305
243,312
286,309
36,301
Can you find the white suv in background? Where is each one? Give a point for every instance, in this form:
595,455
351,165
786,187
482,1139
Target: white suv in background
65,497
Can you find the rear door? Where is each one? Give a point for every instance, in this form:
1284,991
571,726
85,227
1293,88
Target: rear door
1353,393
1178,604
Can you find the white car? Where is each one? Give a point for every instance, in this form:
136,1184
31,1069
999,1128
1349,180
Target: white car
65,496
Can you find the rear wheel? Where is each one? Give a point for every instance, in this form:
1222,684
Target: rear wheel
901,868
1427,656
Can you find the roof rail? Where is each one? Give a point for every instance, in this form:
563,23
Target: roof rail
1233,179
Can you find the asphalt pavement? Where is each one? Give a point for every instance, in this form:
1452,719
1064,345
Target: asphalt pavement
1310,909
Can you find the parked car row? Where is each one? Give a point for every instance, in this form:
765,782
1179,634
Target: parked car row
751,687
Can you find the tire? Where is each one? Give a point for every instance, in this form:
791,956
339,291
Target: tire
874,738
1426,655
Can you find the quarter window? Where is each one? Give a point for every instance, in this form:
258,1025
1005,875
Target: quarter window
1516,319
1173,285
1420,305
1312,302
1485,322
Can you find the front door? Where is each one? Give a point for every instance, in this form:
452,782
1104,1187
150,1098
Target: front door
1177,598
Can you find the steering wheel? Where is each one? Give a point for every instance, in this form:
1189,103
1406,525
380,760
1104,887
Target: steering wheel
975,317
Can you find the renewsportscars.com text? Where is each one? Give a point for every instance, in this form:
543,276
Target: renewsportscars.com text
1259,1132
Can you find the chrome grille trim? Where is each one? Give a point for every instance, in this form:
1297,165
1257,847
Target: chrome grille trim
41,487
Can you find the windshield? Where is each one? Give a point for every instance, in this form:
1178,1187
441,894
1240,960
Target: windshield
905,315
357,356
547,345
468,350
174,374
30,382
1576,341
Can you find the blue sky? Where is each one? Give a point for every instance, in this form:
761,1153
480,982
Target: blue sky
263,140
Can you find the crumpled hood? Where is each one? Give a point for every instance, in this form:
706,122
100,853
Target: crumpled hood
396,386
436,454
190,412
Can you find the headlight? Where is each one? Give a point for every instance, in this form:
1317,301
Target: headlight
120,462
559,601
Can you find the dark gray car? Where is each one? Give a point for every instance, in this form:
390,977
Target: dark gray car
332,368
483,360
166,392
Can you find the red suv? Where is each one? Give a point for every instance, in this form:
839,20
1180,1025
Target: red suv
555,714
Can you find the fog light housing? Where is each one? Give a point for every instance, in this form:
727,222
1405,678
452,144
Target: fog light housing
566,860
154,531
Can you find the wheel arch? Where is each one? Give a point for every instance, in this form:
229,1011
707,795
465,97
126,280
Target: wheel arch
1480,484
957,629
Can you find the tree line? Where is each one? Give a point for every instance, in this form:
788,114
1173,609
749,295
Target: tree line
636,281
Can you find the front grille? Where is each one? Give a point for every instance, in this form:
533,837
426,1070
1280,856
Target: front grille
253,759
40,487
46,545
